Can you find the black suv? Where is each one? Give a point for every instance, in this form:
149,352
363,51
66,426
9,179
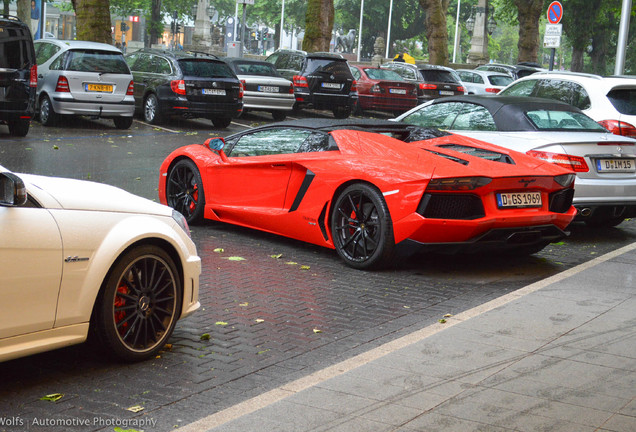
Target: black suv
321,80
188,84
18,75
433,81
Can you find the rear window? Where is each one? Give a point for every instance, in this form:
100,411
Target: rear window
15,48
624,100
500,80
563,121
339,68
383,74
204,68
96,61
261,69
438,76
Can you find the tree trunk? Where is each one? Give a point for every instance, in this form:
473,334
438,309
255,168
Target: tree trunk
93,20
318,25
24,11
156,24
529,12
436,31
577,60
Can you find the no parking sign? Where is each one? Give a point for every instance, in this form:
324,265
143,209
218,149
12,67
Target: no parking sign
555,12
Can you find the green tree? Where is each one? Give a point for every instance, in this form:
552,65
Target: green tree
436,32
318,25
93,20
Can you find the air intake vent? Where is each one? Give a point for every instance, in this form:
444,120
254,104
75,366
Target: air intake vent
561,201
451,206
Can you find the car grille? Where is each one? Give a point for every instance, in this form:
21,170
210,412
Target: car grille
451,206
561,201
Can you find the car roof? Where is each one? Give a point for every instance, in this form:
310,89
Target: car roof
513,117
399,130
484,72
178,55
75,44
12,20
580,77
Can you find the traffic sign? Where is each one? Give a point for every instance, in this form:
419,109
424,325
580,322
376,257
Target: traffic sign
555,12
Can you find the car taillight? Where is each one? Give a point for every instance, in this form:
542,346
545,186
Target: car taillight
575,163
425,86
178,86
457,184
241,89
376,89
291,89
62,85
300,81
461,89
33,78
565,180
618,127
354,86
131,89
492,90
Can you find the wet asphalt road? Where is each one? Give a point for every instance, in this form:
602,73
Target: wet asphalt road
269,320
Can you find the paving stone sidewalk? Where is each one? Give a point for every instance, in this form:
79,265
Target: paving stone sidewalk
557,355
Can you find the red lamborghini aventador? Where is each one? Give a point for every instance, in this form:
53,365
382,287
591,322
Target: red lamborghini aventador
362,187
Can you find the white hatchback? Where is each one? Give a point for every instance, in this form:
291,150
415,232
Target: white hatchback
611,101
78,256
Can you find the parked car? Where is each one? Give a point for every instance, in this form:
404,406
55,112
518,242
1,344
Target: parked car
363,187
78,257
264,88
383,90
83,78
186,84
321,80
433,81
515,71
483,82
605,164
611,101
18,75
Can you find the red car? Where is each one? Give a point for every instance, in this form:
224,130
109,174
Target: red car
364,187
383,90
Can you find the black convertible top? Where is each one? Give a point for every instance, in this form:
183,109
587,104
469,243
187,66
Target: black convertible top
508,112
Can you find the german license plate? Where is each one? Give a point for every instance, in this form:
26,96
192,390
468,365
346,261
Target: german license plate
268,89
446,93
98,88
615,165
216,92
519,199
331,85
397,91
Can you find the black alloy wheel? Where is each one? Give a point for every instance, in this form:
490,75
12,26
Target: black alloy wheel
184,190
139,304
361,227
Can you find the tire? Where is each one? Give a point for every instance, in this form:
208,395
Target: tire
363,239
279,115
151,110
221,122
123,122
184,191
341,112
138,304
48,117
19,128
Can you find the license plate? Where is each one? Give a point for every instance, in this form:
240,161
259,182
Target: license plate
217,92
397,91
268,89
331,85
615,165
98,88
446,93
519,199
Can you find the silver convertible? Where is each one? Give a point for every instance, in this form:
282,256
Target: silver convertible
604,163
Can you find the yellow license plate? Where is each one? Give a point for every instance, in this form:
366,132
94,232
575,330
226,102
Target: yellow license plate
99,87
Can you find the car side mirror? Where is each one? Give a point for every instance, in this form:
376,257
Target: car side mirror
12,190
216,145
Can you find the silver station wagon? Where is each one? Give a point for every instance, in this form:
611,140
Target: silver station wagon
83,78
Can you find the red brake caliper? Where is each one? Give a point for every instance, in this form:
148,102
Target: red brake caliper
195,198
119,302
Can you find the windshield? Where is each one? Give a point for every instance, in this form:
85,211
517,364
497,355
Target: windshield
339,68
205,68
563,121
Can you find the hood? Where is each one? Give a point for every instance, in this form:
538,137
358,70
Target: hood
70,194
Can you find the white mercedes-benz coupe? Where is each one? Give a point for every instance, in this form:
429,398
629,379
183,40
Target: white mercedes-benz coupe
80,258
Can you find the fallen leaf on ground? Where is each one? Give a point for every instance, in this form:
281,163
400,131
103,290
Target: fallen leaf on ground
235,258
135,409
53,397
205,336
317,331
219,250
221,323
305,267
